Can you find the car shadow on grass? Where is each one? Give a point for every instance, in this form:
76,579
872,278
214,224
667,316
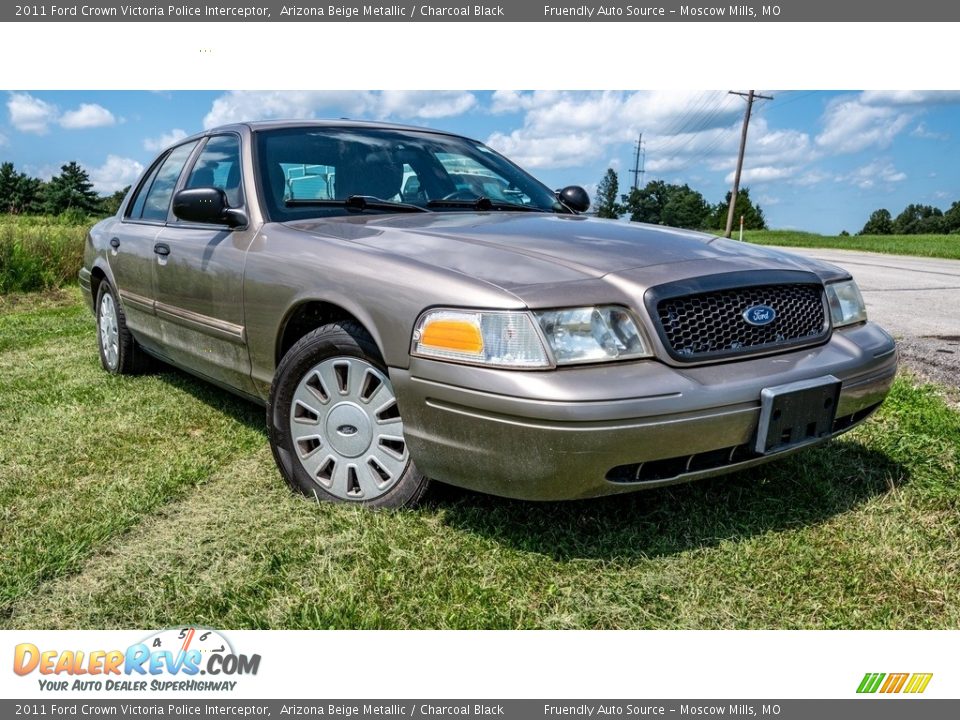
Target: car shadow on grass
801,490
246,412
804,489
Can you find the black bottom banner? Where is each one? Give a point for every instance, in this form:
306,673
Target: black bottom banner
874,708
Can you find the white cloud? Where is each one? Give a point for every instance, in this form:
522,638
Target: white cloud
851,126
921,131
3,139
563,129
591,188
559,151
115,174
44,172
164,141
244,105
878,172
30,114
910,97
763,173
88,115
810,177
506,101
682,131
424,104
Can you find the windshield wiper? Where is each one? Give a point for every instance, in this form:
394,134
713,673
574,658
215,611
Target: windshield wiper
358,203
483,203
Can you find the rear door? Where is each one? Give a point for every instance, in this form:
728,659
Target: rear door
132,240
199,276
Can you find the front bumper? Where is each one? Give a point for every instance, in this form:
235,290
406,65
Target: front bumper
581,431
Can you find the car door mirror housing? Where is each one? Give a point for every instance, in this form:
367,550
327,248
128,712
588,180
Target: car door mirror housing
575,198
207,205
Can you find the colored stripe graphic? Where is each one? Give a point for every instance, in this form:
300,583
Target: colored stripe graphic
894,683
918,682
870,682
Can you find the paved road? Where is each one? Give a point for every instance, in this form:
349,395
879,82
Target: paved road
910,296
916,299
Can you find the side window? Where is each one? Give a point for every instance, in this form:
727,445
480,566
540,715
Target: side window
157,201
135,209
218,165
308,182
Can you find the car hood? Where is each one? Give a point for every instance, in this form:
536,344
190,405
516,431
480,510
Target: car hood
520,249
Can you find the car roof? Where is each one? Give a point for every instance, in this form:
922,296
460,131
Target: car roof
259,125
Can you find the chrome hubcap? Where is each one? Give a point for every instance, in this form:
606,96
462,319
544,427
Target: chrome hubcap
347,430
109,332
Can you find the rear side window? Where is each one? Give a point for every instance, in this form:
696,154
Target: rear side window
218,165
158,190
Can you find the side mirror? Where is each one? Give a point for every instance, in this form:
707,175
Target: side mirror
575,198
207,205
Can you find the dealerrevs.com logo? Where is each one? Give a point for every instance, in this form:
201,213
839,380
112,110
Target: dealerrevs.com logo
179,659
890,683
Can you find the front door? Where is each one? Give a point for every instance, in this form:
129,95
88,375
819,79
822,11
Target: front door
199,277
132,239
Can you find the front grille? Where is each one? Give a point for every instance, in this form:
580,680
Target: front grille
711,324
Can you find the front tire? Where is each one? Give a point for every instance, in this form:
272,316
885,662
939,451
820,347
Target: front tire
334,424
119,352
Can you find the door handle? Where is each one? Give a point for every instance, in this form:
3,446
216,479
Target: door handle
114,243
161,249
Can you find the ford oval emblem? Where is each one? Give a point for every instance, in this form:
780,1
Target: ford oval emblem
759,315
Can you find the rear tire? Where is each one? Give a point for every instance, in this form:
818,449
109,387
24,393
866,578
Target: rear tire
120,354
334,425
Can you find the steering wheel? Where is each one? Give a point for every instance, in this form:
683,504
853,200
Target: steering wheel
460,195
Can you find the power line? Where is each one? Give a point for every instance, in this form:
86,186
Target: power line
692,135
703,115
684,118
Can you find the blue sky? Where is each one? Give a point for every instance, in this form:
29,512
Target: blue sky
816,160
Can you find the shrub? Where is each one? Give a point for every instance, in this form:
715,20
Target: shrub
39,253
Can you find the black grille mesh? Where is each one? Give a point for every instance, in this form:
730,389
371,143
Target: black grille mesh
711,324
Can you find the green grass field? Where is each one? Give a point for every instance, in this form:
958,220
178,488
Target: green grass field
940,246
154,501
40,253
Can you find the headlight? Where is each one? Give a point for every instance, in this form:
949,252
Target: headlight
846,303
502,339
592,334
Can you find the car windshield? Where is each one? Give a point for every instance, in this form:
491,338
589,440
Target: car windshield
322,171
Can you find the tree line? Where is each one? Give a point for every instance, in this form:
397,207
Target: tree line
69,192
662,203
914,220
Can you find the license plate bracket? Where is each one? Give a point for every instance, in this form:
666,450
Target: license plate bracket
796,413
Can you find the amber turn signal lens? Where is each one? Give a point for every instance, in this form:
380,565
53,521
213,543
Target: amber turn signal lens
456,335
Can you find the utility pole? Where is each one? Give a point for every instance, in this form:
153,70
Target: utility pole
750,96
638,170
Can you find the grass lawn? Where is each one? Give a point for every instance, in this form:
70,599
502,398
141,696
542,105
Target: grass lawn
154,501
940,246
